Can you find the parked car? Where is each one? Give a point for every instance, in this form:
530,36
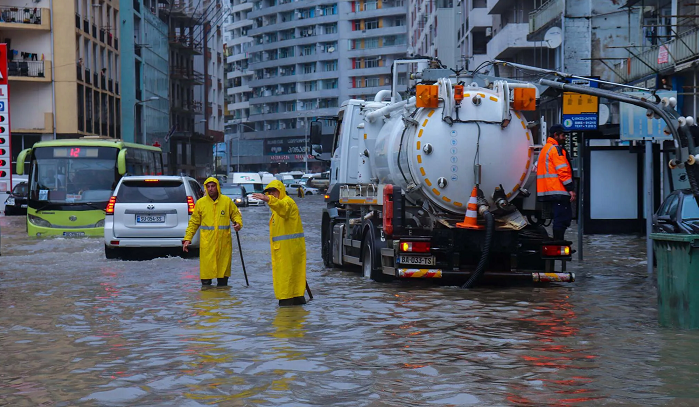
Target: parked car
292,188
236,192
150,212
16,203
679,213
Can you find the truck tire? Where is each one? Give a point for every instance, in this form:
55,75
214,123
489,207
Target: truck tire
327,244
368,261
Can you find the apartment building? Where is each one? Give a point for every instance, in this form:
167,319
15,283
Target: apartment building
238,77
302,60
63,69
434,24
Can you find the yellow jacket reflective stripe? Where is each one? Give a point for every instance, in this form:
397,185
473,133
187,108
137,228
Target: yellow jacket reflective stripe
288,245
214,218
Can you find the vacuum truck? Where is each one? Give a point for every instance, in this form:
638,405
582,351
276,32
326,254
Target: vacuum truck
442,184
439,185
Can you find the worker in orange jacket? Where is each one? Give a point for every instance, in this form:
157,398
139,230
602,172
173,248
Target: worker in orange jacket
554,180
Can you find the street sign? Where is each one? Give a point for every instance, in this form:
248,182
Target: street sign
635,125
5,139
580,112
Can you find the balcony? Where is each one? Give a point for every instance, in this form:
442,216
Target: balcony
29,71
86,26
683,48
116,88
79,72
110,85
183,74
95,80
25,18
137,6
87,76
103,82
94,31
548,13
186,44
78,19
511,39
116,43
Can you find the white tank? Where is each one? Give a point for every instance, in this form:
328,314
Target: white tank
439,159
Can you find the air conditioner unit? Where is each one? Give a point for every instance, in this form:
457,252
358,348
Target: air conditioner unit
380,57
489,31
269,127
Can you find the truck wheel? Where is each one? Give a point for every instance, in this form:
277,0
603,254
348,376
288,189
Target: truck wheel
111,252
327,245
368,269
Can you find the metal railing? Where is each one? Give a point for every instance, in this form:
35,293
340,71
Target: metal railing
32,69
20,15
683,48
545,14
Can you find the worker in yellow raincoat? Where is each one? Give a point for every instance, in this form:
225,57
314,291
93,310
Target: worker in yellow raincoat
287,243
212,215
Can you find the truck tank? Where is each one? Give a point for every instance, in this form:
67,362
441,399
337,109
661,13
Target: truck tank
423,153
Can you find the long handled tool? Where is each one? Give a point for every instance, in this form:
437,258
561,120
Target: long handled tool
240,249
310,294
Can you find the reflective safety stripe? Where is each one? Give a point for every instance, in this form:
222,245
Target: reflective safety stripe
224,227
206,228
547,176
546,193
558,167
287,237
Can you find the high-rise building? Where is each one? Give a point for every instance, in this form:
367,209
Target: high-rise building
63,69
434,26
304,60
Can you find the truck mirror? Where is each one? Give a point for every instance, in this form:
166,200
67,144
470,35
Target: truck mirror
316,150
316,132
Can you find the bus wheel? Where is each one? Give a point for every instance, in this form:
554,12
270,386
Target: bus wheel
111,252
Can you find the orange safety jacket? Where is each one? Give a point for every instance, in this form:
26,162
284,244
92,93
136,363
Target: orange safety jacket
554,177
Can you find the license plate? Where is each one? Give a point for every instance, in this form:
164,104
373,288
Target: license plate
150,218
73,234
24,206
417,260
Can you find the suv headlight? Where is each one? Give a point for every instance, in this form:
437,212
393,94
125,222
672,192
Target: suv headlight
10,201
37,221
100,224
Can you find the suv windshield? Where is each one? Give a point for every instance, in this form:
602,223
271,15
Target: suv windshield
158,191
21,189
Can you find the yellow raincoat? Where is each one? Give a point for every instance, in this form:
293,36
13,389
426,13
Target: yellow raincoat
214,218
288,245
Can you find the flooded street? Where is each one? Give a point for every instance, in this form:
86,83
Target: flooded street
79,330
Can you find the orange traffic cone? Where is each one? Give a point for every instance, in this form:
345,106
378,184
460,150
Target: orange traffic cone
471,218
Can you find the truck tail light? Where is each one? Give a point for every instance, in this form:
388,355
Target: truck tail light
110,205
190,205
415,247
555,250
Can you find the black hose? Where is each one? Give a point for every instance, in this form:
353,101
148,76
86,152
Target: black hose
485,255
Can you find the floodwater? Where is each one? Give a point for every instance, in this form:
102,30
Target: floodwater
79,330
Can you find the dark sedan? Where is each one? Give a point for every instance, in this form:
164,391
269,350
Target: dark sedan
16,203
236,192
679,213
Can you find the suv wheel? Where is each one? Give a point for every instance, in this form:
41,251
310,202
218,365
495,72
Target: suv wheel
111,252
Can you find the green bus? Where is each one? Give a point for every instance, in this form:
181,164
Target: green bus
71,181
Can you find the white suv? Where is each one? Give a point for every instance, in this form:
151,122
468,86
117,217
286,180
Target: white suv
150,211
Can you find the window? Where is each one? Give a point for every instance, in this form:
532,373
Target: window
330,66
330,84
310,86
372,62
371,24
356,25
370,43
330,28
371,82
308,50
309,68
370,5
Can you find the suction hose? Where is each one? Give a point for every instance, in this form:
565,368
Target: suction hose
485,255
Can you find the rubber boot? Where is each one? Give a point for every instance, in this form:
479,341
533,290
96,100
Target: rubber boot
206,281
559,234
222,282
292,301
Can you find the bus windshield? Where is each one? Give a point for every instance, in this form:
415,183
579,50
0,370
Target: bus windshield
78,174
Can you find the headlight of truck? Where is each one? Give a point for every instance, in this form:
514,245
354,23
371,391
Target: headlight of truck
100,224
10,201
37,221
